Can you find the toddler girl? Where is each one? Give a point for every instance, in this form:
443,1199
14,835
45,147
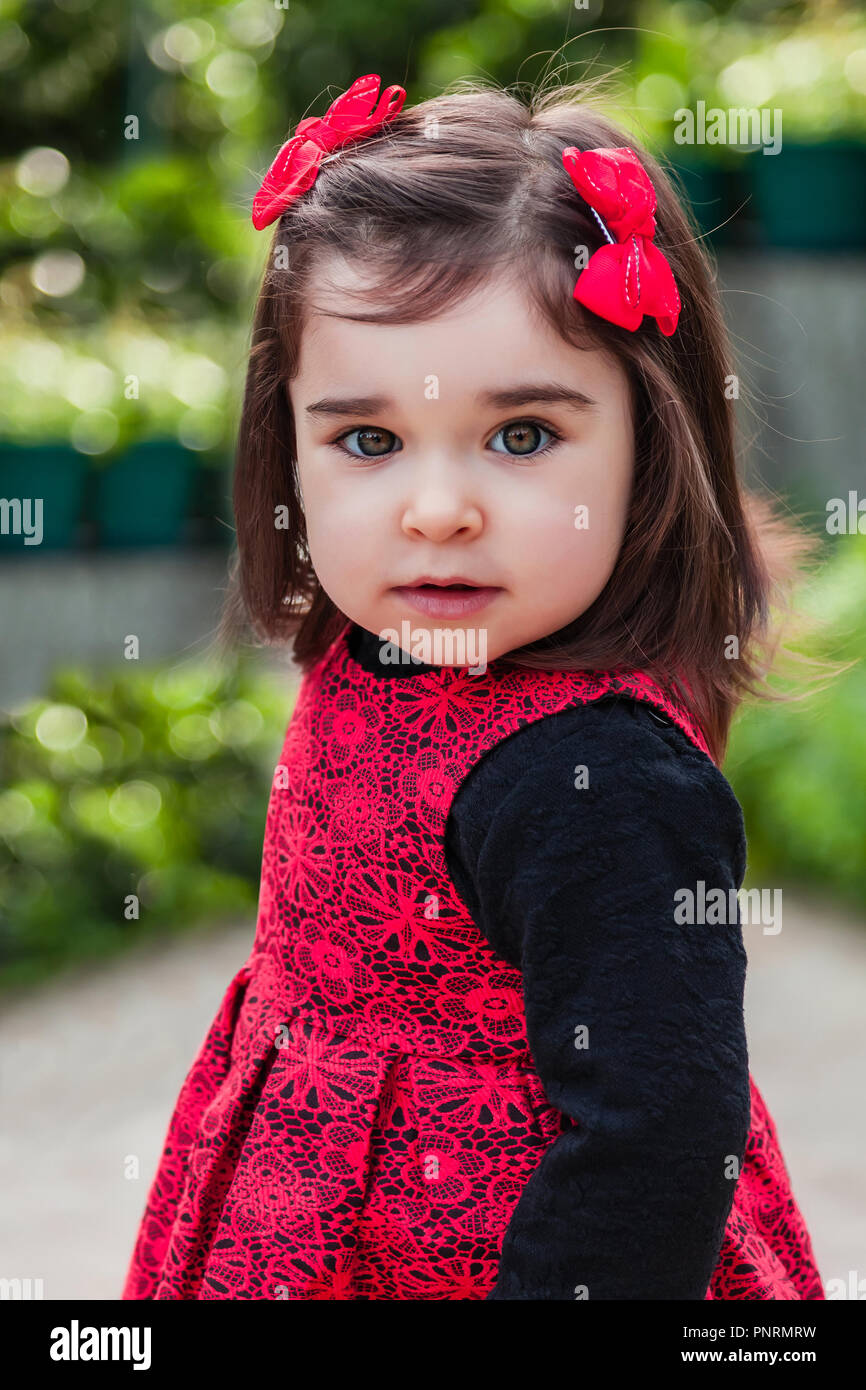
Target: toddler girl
489,1040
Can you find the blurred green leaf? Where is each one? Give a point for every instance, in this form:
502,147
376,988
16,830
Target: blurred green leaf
168,804
799,767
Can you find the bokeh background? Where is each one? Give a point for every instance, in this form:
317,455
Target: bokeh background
132,139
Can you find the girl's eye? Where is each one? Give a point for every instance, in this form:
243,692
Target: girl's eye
523,435
374,442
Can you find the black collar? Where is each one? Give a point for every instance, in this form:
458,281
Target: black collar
365,647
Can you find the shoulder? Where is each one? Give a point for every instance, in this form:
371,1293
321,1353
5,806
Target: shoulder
599,775
629,745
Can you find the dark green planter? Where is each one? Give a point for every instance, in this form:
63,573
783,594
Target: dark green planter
708,188
811,197
212,517
53,472
142,497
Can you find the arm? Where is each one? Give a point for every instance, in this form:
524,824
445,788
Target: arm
577,888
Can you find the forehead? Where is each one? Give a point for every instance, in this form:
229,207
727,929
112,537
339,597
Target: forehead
493,332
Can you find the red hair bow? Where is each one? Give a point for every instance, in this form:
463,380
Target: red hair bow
630,276
295,168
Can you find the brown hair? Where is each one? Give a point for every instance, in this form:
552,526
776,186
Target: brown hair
702,559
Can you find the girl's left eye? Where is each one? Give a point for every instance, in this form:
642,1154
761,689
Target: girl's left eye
524,435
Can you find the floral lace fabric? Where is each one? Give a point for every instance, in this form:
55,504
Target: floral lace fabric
364,1112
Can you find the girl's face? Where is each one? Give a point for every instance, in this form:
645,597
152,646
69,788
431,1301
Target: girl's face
477,445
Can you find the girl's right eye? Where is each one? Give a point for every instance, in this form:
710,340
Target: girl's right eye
377,438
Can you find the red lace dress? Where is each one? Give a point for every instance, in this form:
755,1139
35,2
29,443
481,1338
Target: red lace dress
364,1112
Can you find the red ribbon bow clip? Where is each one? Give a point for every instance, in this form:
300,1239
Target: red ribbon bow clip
630,276
295,168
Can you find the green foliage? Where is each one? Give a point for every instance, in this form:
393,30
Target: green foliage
799,767
117,782
807,61
106,387
165,115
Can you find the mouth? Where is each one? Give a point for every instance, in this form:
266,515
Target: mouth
449,599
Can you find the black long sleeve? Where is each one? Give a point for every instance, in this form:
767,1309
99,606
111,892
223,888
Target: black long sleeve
576,888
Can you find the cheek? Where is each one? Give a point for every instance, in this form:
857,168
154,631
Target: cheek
324,504
341,530
606,491
580,553
568,540
580,517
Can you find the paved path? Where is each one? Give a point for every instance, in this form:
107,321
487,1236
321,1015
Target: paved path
92,1067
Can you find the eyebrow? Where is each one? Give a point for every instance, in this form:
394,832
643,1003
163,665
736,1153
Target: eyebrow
550,393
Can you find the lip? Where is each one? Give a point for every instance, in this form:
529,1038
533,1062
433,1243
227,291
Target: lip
443,581
449,602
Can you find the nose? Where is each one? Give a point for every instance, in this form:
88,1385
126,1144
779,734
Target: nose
441,506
